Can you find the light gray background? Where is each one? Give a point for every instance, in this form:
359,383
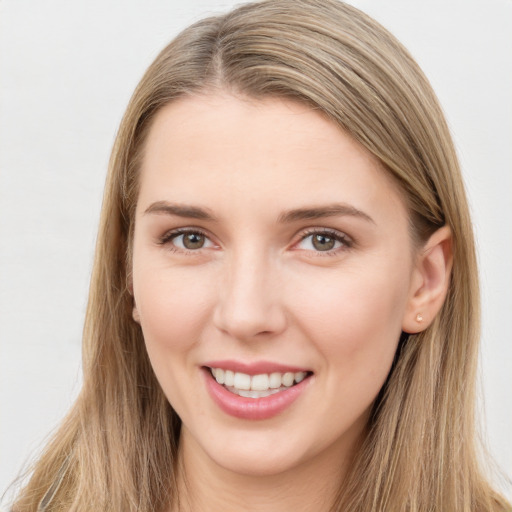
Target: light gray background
67,70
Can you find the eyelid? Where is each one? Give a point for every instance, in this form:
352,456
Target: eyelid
169,235
346,241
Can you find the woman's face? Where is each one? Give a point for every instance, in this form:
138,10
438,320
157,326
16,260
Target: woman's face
272,269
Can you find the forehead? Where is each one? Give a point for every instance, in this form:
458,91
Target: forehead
234,152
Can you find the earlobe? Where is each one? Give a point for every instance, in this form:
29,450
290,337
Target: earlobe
429,282
135,313
129,286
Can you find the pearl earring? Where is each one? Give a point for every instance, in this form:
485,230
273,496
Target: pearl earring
419,318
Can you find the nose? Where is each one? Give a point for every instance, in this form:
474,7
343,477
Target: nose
249,299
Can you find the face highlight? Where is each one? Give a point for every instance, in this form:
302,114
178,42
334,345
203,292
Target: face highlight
272,270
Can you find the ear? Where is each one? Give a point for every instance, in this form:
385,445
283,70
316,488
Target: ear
429,281
135,313
129,286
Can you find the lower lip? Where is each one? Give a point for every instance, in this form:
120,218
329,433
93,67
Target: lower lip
253,408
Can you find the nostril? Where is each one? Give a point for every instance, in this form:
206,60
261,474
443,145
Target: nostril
249,322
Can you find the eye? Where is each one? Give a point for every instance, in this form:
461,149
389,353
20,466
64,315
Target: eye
187,240
324,241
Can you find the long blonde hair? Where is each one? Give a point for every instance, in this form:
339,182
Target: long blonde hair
117,448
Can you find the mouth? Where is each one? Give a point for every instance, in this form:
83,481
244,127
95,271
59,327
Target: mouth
257,391
257,386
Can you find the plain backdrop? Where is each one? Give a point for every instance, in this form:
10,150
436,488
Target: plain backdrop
67,70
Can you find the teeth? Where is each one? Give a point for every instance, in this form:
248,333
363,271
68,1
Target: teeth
260,382
242,381
229,378
219,375
288,379
275,380
256,386
300,376
254,394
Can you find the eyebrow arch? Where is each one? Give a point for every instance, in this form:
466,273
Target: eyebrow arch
187,211
320,212
310,213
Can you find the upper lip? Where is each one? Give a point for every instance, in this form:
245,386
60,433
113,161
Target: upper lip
255,367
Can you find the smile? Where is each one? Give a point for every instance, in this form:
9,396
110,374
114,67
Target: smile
256,386
253,394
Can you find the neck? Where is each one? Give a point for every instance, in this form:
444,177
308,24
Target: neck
204,486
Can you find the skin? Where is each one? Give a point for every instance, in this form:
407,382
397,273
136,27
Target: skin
259,289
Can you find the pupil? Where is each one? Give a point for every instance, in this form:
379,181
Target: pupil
193,241
323,242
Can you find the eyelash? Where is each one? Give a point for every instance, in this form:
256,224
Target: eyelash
169,236
346,241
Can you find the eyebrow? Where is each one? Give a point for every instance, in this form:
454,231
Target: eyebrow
314,212
289,216
187,211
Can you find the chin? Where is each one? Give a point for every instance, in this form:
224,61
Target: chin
255,462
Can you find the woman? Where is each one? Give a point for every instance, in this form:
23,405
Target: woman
283,310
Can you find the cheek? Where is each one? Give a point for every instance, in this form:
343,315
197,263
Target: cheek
173,308
355,325
355,316
172,305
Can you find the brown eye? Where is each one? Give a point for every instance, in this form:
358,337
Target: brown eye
193,241
186,239
326,241
323,242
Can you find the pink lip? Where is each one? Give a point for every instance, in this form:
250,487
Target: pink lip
252,408
255,368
